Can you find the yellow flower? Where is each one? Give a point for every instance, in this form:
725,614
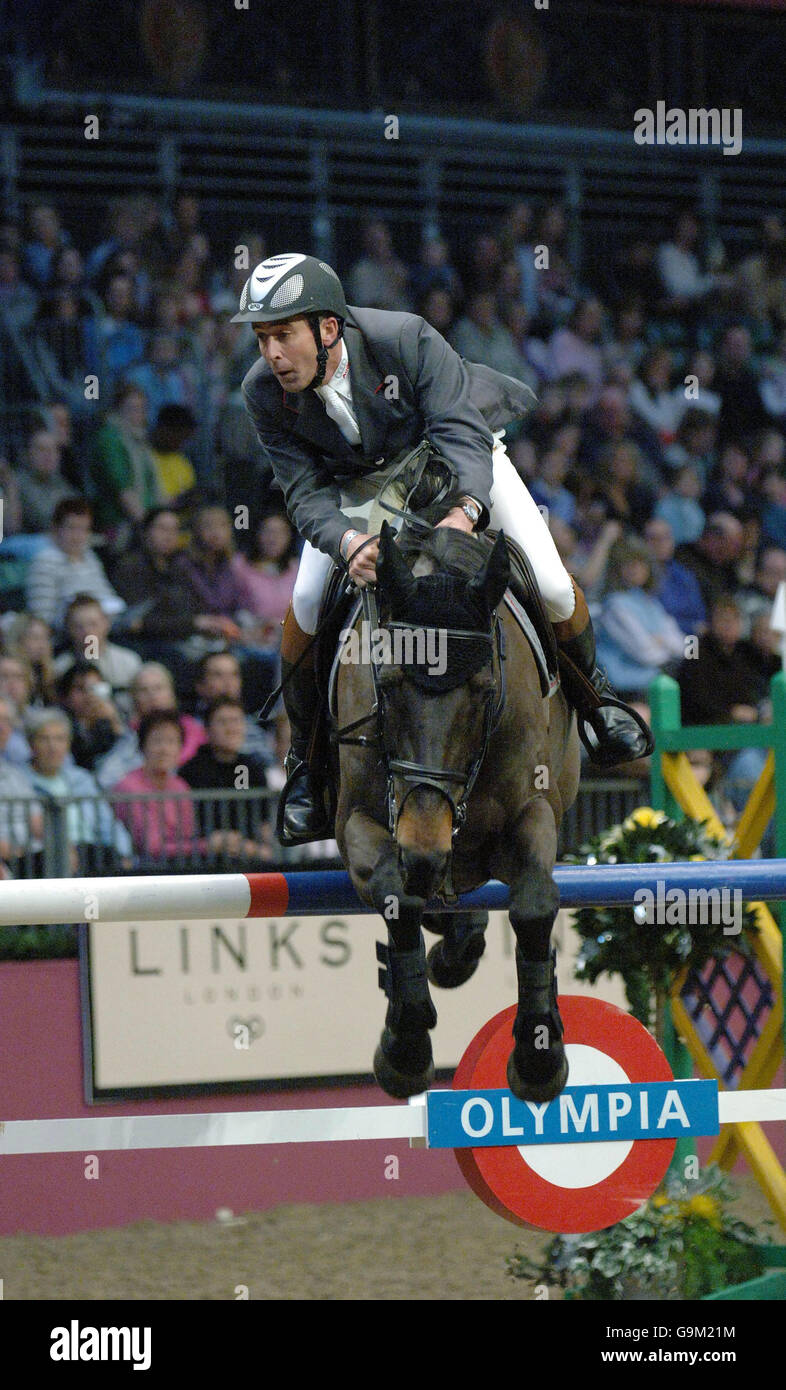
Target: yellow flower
694,858
704,1207
645,817
660,1200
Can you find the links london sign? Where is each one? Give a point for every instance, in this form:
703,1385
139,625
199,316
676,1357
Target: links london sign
172,1005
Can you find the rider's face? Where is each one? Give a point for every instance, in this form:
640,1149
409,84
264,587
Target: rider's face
290,350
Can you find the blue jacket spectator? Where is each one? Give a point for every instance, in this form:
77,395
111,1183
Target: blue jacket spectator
636,637
678,588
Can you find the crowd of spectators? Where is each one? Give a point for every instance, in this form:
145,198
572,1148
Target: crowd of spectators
147,560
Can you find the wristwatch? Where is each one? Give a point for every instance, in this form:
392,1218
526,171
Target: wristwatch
470,509
346,541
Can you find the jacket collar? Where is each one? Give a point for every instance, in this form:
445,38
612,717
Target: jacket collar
308,416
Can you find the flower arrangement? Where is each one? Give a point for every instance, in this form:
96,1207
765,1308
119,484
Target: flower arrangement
682,1244
619,940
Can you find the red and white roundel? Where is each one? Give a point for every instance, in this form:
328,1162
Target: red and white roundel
568,1188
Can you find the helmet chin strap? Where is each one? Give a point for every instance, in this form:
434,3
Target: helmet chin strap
322,349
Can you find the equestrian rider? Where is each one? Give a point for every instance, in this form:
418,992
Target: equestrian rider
338,393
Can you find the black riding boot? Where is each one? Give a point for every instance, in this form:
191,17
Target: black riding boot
610,730
302,814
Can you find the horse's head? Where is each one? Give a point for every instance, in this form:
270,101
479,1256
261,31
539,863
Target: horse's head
438,686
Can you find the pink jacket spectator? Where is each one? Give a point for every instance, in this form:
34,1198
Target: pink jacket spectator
160,829
268,591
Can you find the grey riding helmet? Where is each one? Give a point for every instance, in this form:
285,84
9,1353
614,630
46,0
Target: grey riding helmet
283,286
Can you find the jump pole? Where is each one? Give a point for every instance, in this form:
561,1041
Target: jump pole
203,897
327,1126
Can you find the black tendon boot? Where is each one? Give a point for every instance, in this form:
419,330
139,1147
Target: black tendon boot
302,813
537,1066
403,1061
610,730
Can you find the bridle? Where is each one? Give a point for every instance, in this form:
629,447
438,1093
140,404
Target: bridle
415,774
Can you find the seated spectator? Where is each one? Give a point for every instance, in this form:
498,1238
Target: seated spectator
650,395
175,425
29,639
379,280
557,283
720,685
685,285
772,381
586,554
433,270
548,487
220,673
438,308
694,444
163,606
163,827
576,347
124,473
760,280
87,630
68,566
11,501
235,827
160,376
637,638
677,589
114,342
60,423
96,840
713,557
773,510
757,599
728,488
41,484
151,689
18,301
481,336
742,412
694,391
611,421
16,688
268,572
47,239
209,567
21,820
680,507
628,498
96,722
627,346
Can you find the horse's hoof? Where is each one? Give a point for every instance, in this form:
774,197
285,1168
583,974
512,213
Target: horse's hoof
542,1089
395,1080
450,974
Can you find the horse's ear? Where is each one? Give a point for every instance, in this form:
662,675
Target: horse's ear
392,574
493,579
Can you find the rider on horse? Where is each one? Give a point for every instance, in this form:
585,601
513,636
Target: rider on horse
338,394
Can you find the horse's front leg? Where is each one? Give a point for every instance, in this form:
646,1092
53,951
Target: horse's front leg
403,1061
537,1067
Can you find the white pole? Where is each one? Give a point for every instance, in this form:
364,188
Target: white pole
151,899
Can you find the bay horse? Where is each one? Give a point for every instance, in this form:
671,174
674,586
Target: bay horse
463,774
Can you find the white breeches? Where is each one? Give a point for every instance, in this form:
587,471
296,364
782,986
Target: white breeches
512,511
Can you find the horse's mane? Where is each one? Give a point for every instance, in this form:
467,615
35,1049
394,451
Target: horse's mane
453,552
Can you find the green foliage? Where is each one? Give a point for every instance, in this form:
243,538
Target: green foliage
37,943
650,956
682,1244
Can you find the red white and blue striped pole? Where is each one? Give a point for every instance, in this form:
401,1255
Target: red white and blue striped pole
201,897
